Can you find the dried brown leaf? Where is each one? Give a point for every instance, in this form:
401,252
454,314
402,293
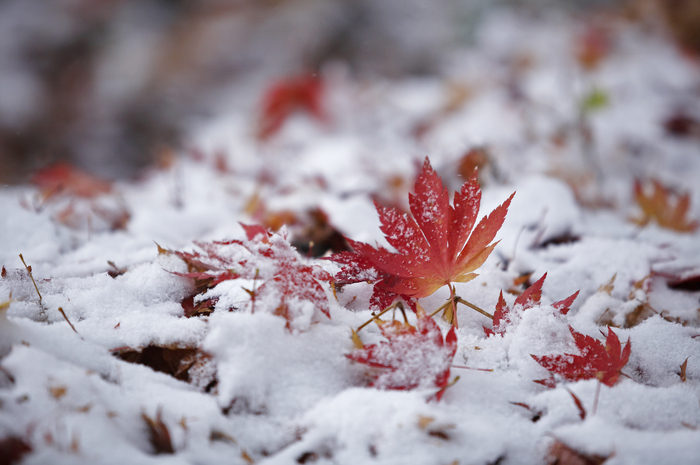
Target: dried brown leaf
158,434
667,208
188,364
684,367
561,454
12,449
58,391
609,286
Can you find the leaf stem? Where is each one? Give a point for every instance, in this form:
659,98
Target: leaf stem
453,304
376,317
473,307
252,294
458,299
440,308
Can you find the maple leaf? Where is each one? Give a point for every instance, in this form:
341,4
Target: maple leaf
531,297
436,245
412,357
664,206
592,46
86,197
62,178
603,362
266,258
286,97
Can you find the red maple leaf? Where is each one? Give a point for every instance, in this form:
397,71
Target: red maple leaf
603,362
502,317
62,178
84,198
286,97
435,246
412,357
284,276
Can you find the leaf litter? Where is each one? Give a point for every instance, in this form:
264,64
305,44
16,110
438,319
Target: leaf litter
269,339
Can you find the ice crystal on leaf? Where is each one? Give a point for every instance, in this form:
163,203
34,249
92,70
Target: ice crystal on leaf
279,274
412,357
435,246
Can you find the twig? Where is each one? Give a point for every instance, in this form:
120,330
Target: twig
60,309
29,270
376,317
7,373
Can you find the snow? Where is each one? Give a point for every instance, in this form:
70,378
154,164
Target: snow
290,395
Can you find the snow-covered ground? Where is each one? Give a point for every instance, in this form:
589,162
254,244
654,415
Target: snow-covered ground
569,134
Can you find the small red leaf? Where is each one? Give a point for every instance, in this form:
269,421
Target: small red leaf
63,178
412,357
596,360
531,297
286,97
268,260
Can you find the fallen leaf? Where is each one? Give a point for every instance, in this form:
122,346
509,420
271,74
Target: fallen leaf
63,178
84,205
561,454
641,312
683,372
314,235
58,391
681,124
609,286
12,449
187,364
436,246
531,297
689,283
424,422
667,208
287,96
596,360
158,434
411,357
276,268
114,270
592,46
475,160
683,19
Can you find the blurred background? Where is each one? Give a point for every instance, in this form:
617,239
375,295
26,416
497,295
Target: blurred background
107,85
